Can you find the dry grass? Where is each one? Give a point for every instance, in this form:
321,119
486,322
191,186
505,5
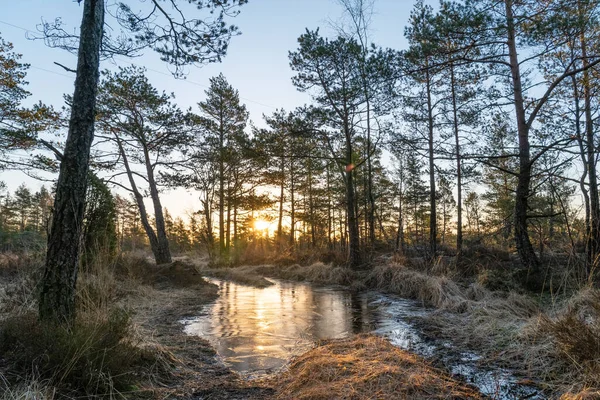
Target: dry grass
319,273
563,346
431,290
95,357
585,394
366,367
102,354
253,275
31,390
238,276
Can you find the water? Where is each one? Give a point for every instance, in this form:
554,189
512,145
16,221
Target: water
256,331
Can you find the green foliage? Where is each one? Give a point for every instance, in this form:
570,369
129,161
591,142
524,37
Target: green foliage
24,219
99,232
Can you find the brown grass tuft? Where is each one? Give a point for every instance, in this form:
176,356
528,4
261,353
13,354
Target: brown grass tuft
94,357
366,367
585,394
244,276
319,273
433,291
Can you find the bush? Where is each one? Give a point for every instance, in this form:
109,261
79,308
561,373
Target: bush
94,357
575,332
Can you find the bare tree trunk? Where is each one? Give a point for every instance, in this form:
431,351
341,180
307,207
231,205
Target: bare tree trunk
583,155
354,256
370,196
311,206
57,295
139,199
281,197
228,222
163,253
292,207
523,242
330,215
459,232
593,245
432,191
222,246
400,234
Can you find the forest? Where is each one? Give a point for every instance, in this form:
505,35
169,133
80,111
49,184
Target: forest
457,174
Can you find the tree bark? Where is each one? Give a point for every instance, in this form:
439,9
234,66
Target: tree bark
221,187
432,191
281,198
292,208
354,256
593,244
459,232
163,253
522,240
139,199
57,296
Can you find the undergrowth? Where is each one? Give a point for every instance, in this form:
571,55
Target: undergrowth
95,357
100,354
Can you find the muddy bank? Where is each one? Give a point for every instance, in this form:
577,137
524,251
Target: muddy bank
360,367
195,371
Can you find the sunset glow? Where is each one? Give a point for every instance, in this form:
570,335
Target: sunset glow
261,225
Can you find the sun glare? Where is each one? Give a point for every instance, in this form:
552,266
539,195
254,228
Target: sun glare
261,225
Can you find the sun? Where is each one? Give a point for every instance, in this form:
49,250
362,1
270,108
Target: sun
261,225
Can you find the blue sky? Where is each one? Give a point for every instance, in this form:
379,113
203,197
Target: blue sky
256,63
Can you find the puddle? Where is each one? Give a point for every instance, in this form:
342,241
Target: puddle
257,330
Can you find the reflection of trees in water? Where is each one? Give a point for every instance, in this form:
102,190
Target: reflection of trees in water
260,329
356,308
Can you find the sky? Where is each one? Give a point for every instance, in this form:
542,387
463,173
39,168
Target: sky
256,63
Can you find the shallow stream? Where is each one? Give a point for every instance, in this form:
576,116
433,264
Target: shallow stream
256,331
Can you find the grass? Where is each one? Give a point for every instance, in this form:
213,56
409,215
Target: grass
366,367
556,345
31,390
238,276
563,345
102,355
106,354
253,275
95,357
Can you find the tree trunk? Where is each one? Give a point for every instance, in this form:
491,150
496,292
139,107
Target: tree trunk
432,192
459,232
583,155
228,221
330,215
593,245
221,189
292,207
281,197
163,253
370,196
57,296
354,256
400,233
139,199
523,242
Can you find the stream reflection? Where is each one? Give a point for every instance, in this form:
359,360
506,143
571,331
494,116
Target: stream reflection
258,330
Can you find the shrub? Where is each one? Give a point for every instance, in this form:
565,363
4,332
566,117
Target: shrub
94,357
